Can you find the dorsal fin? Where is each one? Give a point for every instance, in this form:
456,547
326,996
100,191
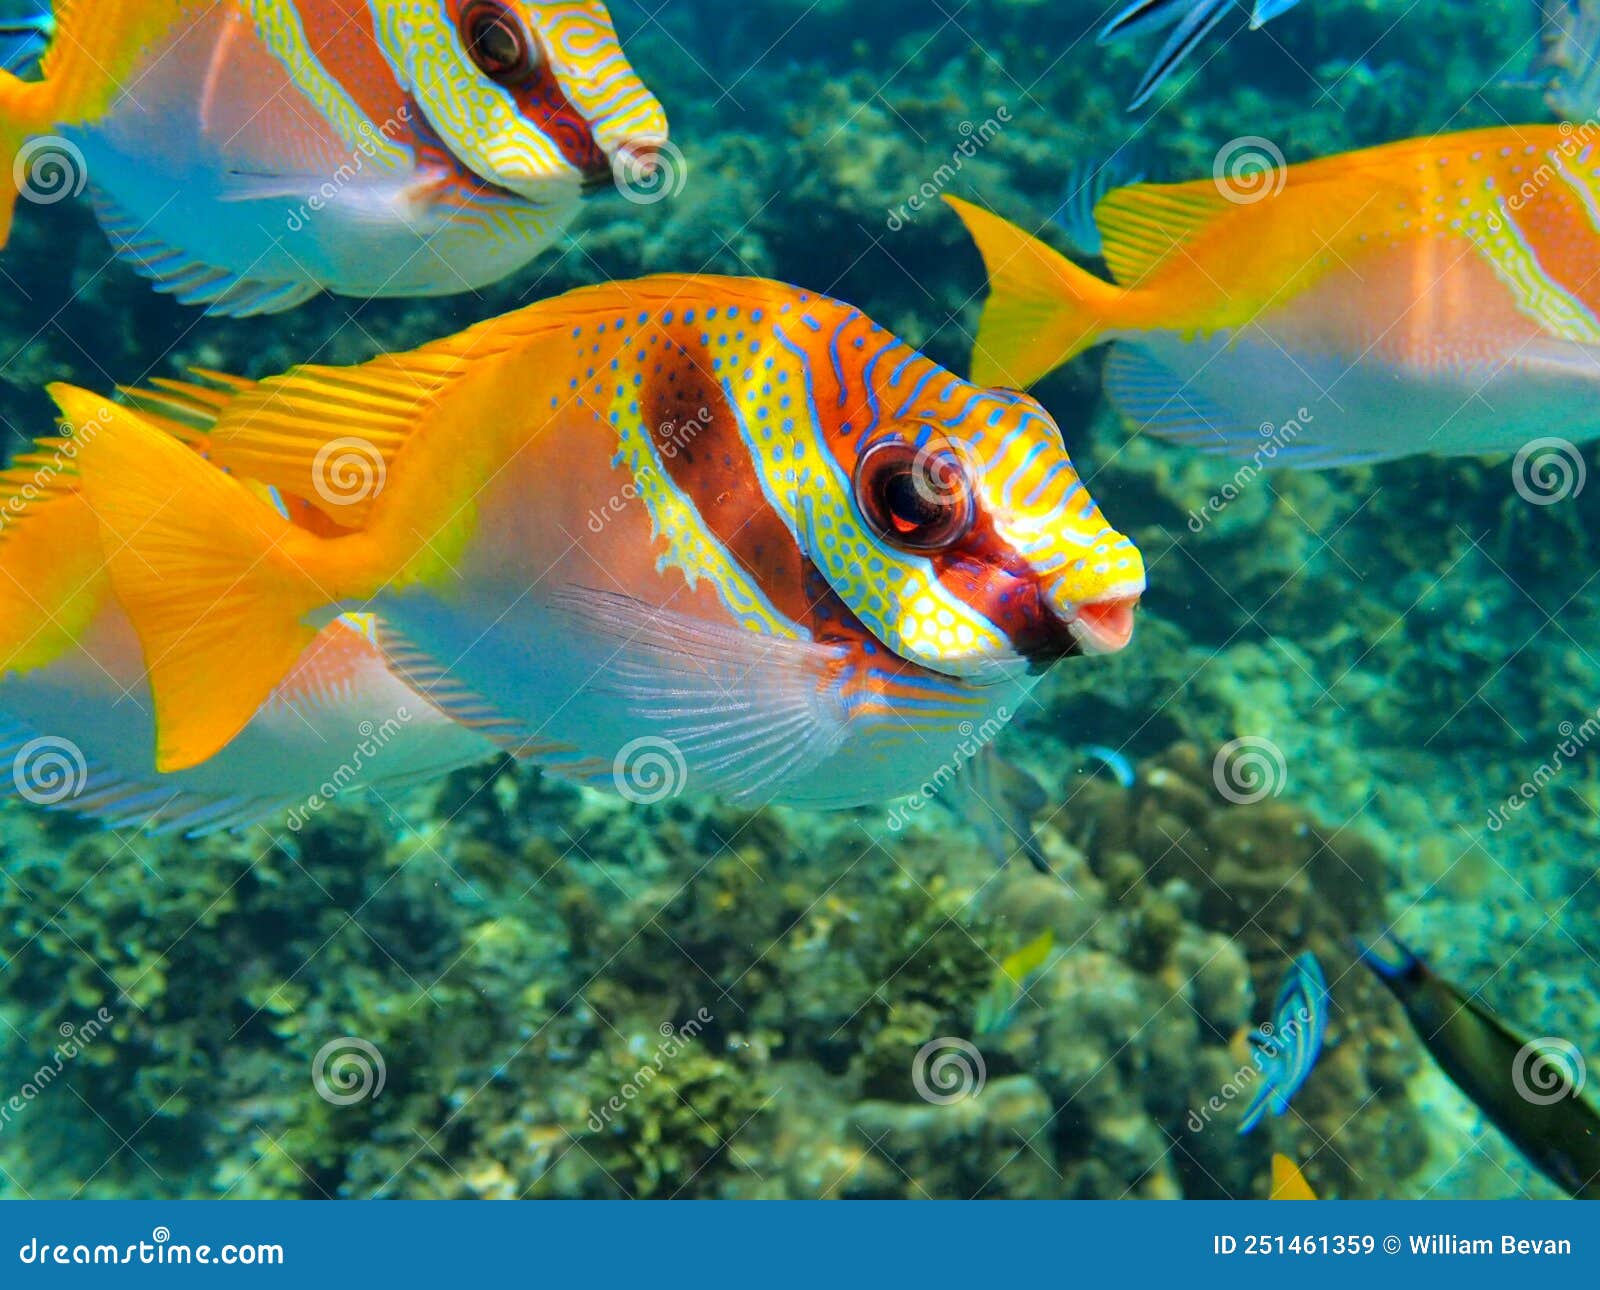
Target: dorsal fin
1141,225
274,430
186,409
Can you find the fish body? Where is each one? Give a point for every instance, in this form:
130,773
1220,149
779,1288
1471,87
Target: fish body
77,727
274,149
1012,979
1430,296
1538,1107
1286,1051
722,526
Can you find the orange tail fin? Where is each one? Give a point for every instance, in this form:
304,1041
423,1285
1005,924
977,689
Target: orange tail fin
224,593
98,46
1042,309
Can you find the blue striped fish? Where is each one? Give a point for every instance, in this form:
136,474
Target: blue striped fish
1286,1052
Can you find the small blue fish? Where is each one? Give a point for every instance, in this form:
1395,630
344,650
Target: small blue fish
1287,1051
1117,763
1193,21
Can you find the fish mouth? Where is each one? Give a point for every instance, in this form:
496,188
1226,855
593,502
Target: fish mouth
1105,626
632,166
1100,627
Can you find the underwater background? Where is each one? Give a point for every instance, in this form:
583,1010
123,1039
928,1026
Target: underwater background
504,986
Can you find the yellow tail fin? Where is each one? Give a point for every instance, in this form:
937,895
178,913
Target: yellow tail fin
1042,308
98,46
224,593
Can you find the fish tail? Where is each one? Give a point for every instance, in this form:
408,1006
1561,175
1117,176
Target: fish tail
1042,311
224,592
97,44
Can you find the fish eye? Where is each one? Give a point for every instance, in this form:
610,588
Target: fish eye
498,42
915,499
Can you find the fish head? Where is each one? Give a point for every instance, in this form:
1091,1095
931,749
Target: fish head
970,509
534,98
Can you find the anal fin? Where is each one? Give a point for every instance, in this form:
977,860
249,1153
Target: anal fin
191,281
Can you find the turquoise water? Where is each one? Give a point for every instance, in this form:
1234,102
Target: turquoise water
502,985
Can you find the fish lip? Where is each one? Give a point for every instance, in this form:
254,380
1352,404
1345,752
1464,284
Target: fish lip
1098,627
634,160
1104,626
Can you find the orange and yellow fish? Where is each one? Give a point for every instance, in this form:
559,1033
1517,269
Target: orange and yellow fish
1432,296
77,727
246,155
716,532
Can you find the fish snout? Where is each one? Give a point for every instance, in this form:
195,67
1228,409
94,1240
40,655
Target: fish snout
1104,626
1077,623
634,165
